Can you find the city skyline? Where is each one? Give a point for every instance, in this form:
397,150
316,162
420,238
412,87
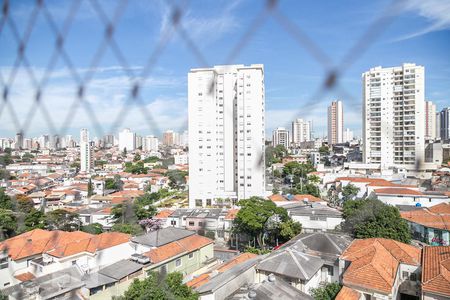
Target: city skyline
419,34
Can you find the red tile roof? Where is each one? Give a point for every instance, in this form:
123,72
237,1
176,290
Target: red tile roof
59,243
164,214
347,293
183,246
277,197
374,262
436,270
372,181
398,191
309,198
231,214
24,276
437,216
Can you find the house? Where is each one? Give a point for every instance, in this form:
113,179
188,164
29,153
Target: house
436,273
274,288
306,261
100,215
378,268
430,225
39,252
215,221
406,196
368,185
200,279
314,217
164,215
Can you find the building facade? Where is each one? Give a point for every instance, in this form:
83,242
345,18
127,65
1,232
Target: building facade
430,120
127,140
151,143
301,131
280,136
444,124
226,133
335,123
86,162
393,116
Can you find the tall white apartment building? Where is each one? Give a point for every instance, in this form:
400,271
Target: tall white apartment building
127,140
444,124
86,162
348,135
430,120
301,131
335,123
226,133
393,116
151,143
280,136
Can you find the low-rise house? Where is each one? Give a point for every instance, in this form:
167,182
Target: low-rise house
41,252
430,225
307,261
368,185
436,273
314,217
406,196
379,268
101,215
282,200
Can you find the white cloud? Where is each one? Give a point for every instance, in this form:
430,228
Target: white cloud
437,12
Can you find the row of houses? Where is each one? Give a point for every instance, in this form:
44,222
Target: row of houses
42,264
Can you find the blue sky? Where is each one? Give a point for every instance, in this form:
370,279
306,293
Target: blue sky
419,33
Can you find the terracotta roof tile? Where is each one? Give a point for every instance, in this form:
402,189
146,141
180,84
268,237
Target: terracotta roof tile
199,280
60,243
163,214
398,191
372,181
347,293
433,217
185,245
24,276
436,269
309,198
235,261
277,197
374,262
231,214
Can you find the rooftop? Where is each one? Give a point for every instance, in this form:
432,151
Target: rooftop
436,270
163,236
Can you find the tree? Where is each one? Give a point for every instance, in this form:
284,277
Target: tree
177,178
90,189
137,157
259,217
157,286
137,168
35,219
324,150
61,219
5,200
327,292
132,229
94,228
8,224
371,218
350,191
143,208
289,229
151,159
24,204
114,184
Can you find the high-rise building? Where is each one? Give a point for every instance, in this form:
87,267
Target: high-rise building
430,120
139,141
226,133
393,116
86,162
301,131
348,135
438,125
127,140
184,139
108,141
171,138
444,124
335,123
280,136
151,143
19,140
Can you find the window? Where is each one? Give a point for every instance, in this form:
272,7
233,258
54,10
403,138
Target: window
178,263
4,263
173,222
200,223
191,255
330,270
405,275
191,223
74,262
413,277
